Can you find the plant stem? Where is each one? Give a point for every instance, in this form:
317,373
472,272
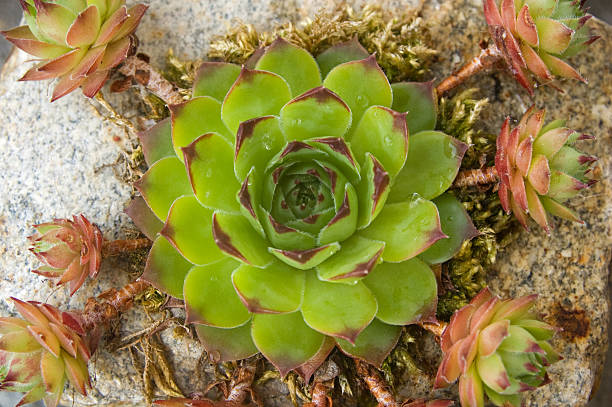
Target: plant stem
377,385
240,387
108,305
116,247
488,57
479,176
147,76
319,396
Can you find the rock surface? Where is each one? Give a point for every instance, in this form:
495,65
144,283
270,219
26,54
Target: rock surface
55,160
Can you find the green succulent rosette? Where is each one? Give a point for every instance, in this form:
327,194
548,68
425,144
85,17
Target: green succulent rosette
289,211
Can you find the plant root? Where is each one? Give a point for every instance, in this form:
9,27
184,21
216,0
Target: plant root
488,57
116,247
376,384
478,176
151,79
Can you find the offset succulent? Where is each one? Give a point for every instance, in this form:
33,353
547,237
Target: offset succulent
537,36
294,210
77,41
497,347
70,249
540,169
38,353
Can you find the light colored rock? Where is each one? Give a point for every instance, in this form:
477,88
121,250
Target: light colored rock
53,160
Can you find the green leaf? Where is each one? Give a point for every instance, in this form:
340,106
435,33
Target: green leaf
339,310
432,165
357,257
54,21
406,292
493,373
285,340
156,142
407,228
235,236
276,288
293,64
248,196
456,224
554,36
360,84
254,94
373,344
189,229
337,54
162,184
316,113
224,345
344,223
52,372
373,191
257,141
215,79
563,186
305,259
340,155
84,29
284,237
166,268
210,297
420,101
382,132
210,165
191,119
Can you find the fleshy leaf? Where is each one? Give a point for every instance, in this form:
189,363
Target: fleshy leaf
111,26
224,344
203,289
561,68
493,373
563,186
285,340
316,113
189,229
407,228
211,172
257,141
357,257
254,94
539,174
292,63
215,79
276,288
554,36
470,386
284,237
191,119
373,344
235,236
247,196
406,292
305,259
52,372
382,132
420,101
372,191
339,310
166,268
54,21
310,367
555,208
76,371
144,219
84,29
340,155
344,223
433,161
165,181
23,38
135,14
526,28
550,143
156,142
337,54
492,336
18,342
456,224
360,84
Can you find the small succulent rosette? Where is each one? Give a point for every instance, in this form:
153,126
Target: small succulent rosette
540,168
40,352
71,250
77,42
537,36
498,348
294,207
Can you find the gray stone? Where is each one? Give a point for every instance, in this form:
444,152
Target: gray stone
54,162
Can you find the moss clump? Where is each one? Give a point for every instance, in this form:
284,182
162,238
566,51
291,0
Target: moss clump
399,40
465,275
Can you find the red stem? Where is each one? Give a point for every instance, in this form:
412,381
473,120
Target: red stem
488,57
377,385
147,76
115,247
479,176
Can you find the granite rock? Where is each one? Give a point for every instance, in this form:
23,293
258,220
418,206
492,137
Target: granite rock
57,159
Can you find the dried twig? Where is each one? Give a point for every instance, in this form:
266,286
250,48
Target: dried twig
116,247
478,176
488,57
148,77
377,385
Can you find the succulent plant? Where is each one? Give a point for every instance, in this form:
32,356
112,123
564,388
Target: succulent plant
77,41
429,403
38,353
70,249
497,347
293,210
538,36
539,168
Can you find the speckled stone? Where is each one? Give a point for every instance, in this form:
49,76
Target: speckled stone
54,162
